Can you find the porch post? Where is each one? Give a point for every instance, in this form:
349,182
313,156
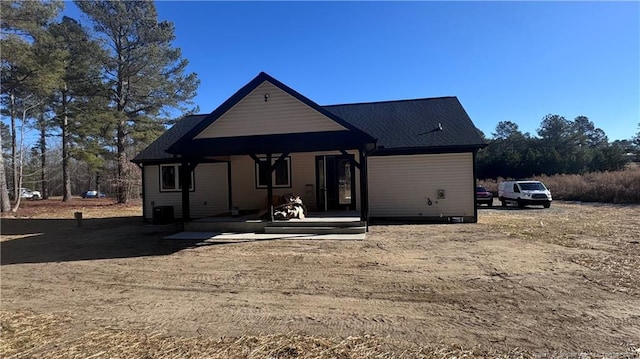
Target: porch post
269,186
144,194
185,180
364,189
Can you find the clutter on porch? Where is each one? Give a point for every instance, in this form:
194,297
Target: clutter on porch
287,206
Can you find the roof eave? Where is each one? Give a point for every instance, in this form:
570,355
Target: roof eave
279,143
383,151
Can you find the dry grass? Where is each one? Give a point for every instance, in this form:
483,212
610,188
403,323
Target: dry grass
30,335
601,238
26,334
90,208
608,187
617,264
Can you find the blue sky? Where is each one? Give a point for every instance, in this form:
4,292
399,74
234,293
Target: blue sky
515,61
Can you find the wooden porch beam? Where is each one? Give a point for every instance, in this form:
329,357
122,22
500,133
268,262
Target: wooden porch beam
355,163
185,180
280,159
269,187
255,158
364,189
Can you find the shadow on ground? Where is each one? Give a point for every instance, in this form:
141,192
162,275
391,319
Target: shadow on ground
61,240
512,208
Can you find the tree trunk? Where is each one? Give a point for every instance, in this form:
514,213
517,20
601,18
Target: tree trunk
123,193
19,177
66,175
43,157
14,151
5,206
121,134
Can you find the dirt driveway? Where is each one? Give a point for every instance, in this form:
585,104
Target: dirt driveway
549,281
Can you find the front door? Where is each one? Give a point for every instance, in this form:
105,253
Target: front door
335,181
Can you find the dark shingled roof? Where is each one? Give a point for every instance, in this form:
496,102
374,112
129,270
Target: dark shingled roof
156,152
427,124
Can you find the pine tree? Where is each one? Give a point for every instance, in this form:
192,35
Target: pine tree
26,74
145,74
80,84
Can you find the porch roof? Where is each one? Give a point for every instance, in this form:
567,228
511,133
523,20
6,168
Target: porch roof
278,143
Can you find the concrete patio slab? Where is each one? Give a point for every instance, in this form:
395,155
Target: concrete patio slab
213,236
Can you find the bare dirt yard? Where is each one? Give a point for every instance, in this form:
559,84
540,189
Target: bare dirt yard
558,282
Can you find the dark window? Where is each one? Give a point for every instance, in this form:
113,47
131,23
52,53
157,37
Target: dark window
282,173
171,178
533,186
262,174
280,177
168,178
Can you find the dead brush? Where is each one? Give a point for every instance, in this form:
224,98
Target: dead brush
608,187
614,233
30,335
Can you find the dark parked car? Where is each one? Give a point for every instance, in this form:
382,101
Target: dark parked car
93,194
483,196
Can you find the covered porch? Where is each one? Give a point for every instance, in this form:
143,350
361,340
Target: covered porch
327,173
275,142
331,185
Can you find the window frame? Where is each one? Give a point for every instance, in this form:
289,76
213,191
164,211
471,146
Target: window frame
176,166
287,162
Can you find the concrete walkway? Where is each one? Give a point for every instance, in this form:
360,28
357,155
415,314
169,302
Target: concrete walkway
244,237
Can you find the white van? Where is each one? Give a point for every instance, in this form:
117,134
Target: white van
524,193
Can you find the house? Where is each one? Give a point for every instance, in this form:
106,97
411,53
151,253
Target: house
407,159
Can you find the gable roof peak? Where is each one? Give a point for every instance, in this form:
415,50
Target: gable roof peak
247,89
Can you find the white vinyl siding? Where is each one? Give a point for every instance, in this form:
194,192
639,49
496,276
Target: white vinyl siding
281,113
401,186
210,197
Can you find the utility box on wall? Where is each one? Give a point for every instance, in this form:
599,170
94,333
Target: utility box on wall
441,194
162,214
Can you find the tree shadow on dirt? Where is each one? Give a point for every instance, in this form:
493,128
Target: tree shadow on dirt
62,240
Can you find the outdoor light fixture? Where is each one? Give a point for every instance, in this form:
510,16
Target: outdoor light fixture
266,97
